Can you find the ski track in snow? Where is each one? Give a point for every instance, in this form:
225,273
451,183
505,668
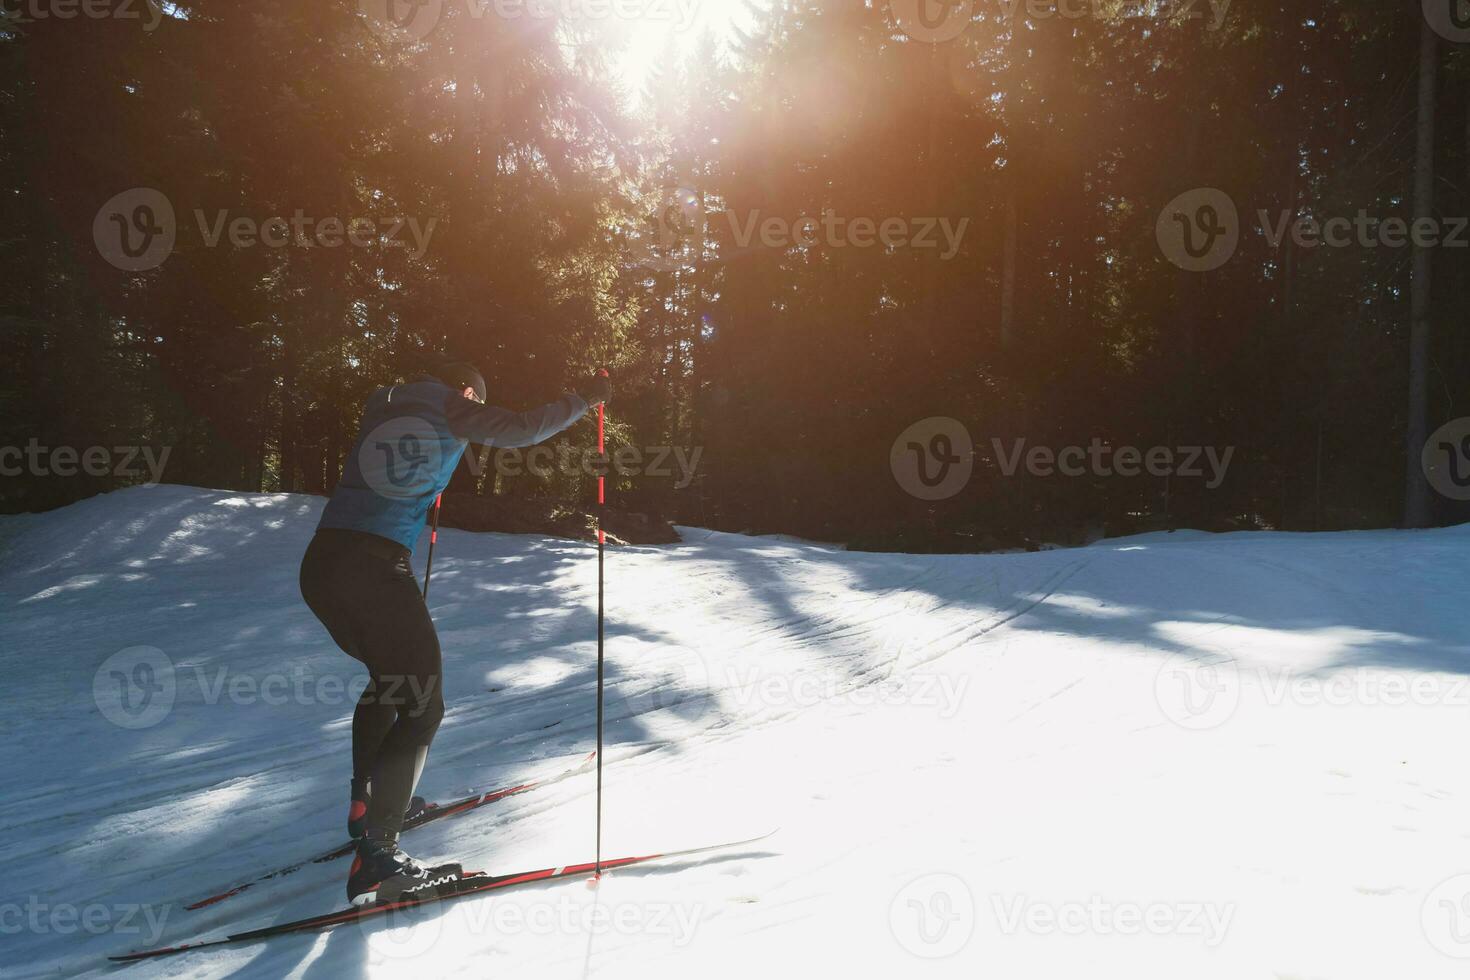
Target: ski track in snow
1067,735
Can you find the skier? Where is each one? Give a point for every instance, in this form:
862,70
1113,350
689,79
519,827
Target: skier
356,578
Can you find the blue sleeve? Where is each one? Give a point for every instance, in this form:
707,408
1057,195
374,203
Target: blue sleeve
491,426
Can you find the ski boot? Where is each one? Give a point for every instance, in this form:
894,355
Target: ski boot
381,872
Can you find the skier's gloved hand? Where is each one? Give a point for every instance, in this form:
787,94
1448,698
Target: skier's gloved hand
596,391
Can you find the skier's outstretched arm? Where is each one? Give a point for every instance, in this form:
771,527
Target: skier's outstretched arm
491,426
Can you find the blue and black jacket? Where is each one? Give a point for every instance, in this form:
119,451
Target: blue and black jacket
410,440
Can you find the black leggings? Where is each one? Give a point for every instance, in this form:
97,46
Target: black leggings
363,590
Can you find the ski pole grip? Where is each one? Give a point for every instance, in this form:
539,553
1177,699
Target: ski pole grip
601,446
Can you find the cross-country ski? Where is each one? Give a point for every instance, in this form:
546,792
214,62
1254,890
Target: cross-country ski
423,817
476,883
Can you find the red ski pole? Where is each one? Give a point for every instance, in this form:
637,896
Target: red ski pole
433,537
601,541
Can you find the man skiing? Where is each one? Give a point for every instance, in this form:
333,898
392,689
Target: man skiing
357,579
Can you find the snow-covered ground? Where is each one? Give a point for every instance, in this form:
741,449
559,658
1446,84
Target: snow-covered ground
1164,756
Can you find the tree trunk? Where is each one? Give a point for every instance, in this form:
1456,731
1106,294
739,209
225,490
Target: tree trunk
1417,502
1008,273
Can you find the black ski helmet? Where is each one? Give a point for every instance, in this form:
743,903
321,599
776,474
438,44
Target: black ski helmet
459,376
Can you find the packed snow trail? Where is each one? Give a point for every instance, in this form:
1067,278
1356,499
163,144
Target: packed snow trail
1162,756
